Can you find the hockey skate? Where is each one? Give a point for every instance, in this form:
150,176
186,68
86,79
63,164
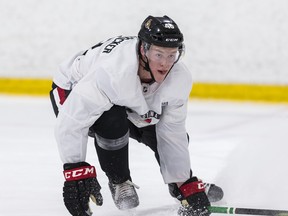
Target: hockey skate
124,195
214,192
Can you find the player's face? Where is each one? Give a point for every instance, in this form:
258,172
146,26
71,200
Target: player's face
161,59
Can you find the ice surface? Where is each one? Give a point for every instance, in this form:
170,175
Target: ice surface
239,146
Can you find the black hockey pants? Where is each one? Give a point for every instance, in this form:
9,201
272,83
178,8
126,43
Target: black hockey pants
114,127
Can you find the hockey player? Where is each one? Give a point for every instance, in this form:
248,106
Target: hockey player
126,87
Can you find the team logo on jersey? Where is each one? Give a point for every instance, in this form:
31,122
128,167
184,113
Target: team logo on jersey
151,114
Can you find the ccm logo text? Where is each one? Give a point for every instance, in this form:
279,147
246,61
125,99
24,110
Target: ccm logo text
80,173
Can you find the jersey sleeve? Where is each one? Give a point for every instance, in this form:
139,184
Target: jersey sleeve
83,107
173,144
171,129
68,73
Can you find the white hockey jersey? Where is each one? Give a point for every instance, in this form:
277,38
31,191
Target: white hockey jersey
106,75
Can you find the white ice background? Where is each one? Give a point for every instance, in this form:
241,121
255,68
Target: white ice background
239,146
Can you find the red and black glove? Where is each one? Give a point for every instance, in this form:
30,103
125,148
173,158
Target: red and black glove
193,198
80,185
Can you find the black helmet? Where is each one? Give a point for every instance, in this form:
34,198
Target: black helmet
161,31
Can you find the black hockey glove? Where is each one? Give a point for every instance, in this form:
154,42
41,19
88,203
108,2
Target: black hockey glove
193,198
80,185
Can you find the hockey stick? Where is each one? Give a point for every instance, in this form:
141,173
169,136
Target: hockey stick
247,211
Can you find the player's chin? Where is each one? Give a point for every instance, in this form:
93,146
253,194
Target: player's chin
160,79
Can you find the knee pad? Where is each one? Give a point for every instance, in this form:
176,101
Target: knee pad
112,144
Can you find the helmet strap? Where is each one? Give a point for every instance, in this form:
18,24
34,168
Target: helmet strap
146,64
147,68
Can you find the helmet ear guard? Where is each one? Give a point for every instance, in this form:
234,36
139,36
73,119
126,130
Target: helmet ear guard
181,50
146,46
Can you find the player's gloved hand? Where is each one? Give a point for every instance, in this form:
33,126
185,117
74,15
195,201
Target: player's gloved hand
80,185
193,198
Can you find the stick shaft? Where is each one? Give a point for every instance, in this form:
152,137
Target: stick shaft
247,211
